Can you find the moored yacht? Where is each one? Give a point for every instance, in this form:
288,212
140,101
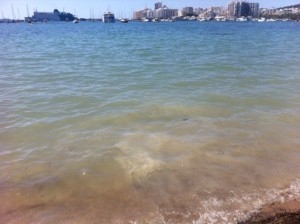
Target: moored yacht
146,20
261,20
242,19
108,17
124,20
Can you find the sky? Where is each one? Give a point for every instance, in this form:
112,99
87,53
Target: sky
121,8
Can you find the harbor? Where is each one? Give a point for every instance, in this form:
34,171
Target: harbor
235,11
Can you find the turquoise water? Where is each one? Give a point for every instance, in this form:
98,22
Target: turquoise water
147,122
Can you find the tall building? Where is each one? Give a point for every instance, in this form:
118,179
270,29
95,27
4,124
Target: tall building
242,8
231,9
165,13
159,12
158,5
188,10
254,9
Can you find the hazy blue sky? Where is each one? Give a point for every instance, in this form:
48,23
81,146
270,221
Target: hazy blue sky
82,8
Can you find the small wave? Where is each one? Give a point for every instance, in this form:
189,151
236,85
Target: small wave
241,205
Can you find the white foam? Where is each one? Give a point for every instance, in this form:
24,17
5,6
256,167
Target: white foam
217,210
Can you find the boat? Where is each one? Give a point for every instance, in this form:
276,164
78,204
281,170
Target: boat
146,20
108,17
202,19
76,21
50,16
220,18
28,20
242,19
124,20
261,20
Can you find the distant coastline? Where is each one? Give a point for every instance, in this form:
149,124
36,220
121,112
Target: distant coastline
235,11
177,19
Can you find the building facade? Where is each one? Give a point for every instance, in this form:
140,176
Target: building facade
165,13
158,5
254,9
188,11
243,9
159,12
141,14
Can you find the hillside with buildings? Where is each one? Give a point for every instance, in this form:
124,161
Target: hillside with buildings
291,6
233,11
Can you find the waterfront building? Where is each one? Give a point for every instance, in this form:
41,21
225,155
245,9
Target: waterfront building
165,13
267,12
288,11
188,11
137,14
159,12
254,9
243,9
158,5
231,9
218,11
150,14
180,13
141,14
198,11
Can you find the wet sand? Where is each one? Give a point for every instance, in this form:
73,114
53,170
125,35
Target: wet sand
276,213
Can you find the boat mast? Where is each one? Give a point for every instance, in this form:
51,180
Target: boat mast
27,11
13,12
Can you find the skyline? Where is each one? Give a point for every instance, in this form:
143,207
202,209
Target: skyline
95,9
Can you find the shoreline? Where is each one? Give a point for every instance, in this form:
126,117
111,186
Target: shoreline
276,213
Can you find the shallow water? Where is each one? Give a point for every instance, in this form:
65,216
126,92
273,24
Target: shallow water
148,123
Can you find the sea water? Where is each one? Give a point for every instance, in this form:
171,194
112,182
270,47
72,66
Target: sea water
183,122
